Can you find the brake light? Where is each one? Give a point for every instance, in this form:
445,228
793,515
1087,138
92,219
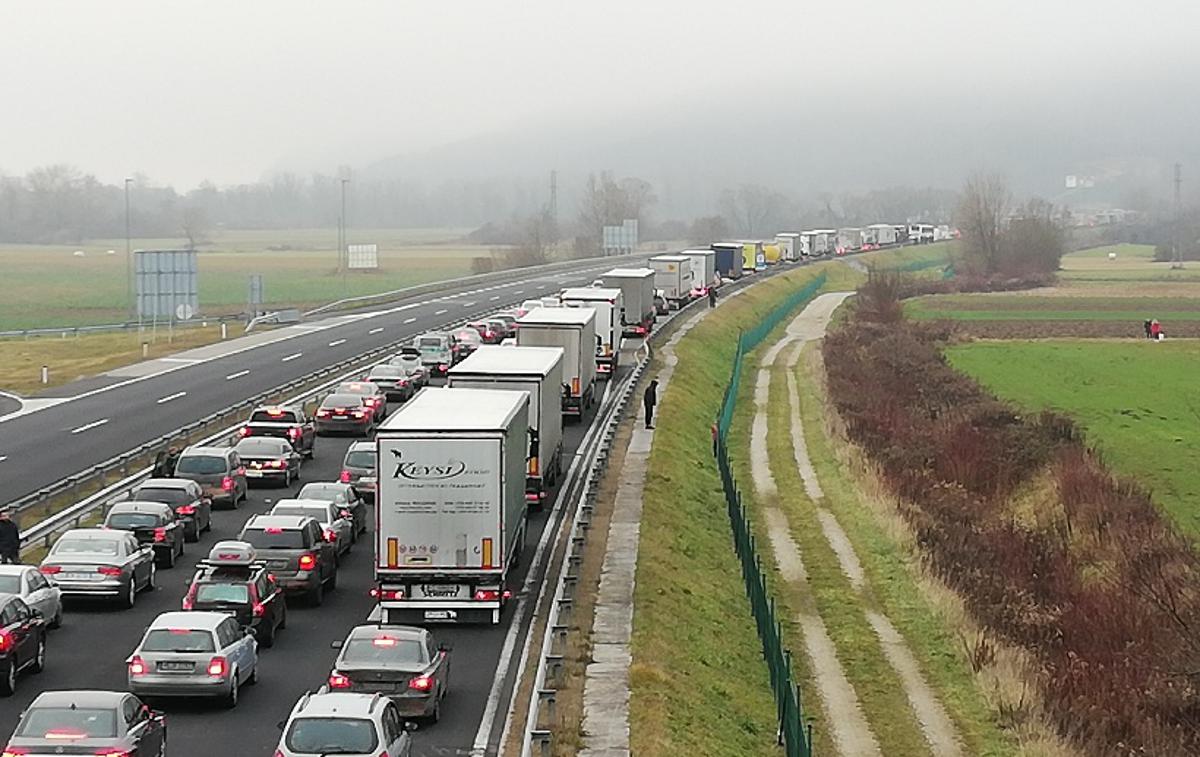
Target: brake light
383,641
330,535
160,535
280,464
244,431
420,683
294,432
639,330
259,609
218,667
227,484
185,510
487,595
338,681
323,413
108,570
359,414
488,334
5,642
372,401
272,530
386,595
14,751
51,570
137,666
344,477
189,599
308,561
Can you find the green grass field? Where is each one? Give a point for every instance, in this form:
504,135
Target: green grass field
1136,400
1134,262
1002,307
49,286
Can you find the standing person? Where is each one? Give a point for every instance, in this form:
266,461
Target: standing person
649,400
1146,326
10,539
712,297
1155,330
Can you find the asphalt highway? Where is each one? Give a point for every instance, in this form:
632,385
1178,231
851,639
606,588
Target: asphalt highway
89,651
40,448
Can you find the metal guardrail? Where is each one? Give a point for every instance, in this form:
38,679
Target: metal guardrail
65,331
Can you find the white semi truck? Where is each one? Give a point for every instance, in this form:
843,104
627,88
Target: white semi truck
574,330
673,276
789,245
704,270
537,370
637,291
450,507
609,305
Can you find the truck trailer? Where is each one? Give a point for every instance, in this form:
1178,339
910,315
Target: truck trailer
849,240
704,270
673,276
754,258
728,259
789,245
637,292
537,370
609,305
450,508
574,330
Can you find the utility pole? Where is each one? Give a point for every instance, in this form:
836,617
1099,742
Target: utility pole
1177,258
342,254
128,256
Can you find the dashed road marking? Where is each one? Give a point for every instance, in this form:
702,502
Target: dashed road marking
169,397
375,331
468,304
336,342
89,426
411,320
291,357
239,374
493,299
441,312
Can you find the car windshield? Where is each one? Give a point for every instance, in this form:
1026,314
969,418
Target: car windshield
309,511
382,650
166,496
385,371
429,343
363,458
274,538
260,447
273,416
86,547
222,592
68,723
10,584
342,400
358,389
126,521
178,640
332,736
467,336
200,464
331,492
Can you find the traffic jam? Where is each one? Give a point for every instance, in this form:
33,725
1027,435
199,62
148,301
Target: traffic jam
450,445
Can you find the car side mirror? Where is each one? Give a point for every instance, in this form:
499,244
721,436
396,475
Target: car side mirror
36,613
281,724
336,644
445,647
247,631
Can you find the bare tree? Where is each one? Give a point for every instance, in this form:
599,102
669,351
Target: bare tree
708,229
194,224
751,208
608,202
981,213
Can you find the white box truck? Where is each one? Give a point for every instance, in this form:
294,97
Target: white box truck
537,370
673,276
450,507
637,290
704,270
608,304
573,329
789,245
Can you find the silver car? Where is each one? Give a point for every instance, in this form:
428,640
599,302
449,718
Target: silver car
97,562
336,527
28,583
410,361
194,654
358,469
342,495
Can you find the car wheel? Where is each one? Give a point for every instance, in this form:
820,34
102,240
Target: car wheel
57,622
169,560
231,699
316,595
152,578
39,659
331,583
436,715
130,598
253,679
283,616
8,684
193,535
267,637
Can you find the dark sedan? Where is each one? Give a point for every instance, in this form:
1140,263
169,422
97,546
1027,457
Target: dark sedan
345,414
401,662
89,722
393,381
23,631
268,459
191,506
373,396
152,523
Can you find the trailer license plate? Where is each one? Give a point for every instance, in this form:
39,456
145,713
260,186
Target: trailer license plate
251,473
440,615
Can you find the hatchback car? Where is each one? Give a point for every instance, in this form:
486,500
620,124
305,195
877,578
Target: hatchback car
392,380
97,562
89,722
22,641
466,341
153,523
409,358
28,583
191,506
345,413
193,654
296,552
355,725
400,662
219,472
269,460
437,353
373,396
338,529
487,331
344,496
358,469
234,581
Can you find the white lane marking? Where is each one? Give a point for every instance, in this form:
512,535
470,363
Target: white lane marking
493,299
91,425
169,397
3,458
291,357
543,286
336,342
375,331
184,360
518,291
410,320
239,374
441,312
468,304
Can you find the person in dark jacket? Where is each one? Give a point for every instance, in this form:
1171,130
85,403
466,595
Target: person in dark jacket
712,297
165,462
1146,326
10,539
649,400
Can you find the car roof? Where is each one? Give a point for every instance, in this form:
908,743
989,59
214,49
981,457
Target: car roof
15,570
157,508
360,445
221,451
191,620
324,504
397,632
338,484
79,698
278,521
169,483
338,703
252,440
99,534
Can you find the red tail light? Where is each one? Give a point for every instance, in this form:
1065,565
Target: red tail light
338,681
387,595
259,609
344,477
108,570
14,751
5,642
51,570
294,432
227,484
185,510
137,666
244,431
323,413
420,683
218,667
308,561
330,535
160,535
189,599
487,595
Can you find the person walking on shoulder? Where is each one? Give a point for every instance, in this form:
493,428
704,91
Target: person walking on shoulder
712,297
10,539
1146,325
649,400
1155,330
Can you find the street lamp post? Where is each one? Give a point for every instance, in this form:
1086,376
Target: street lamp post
128,255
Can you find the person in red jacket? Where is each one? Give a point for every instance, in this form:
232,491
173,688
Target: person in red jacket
1156,331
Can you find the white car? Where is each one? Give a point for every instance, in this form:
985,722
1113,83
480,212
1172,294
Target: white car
354,725
39,592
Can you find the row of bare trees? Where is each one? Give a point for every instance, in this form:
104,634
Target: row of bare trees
1003,238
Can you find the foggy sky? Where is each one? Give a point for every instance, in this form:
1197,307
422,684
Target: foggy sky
188,90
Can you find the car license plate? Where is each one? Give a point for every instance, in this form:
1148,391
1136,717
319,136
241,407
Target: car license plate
373,687
367,480
440,615
176,666
277,564
250,473
78,576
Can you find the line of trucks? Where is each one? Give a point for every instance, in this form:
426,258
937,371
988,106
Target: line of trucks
459,467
